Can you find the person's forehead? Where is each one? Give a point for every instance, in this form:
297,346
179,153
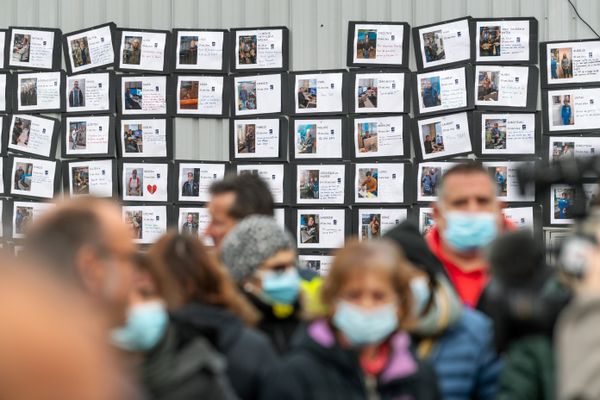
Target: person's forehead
222,201
474,183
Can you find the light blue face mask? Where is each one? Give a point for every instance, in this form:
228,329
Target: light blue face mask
421,295
470,231
281,288
361,326
145,327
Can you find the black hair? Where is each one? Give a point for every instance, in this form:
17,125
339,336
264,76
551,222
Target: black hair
252,195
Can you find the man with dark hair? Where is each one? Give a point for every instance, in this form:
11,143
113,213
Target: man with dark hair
467,218
233,199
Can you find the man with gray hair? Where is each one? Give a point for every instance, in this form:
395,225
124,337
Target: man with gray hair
467,216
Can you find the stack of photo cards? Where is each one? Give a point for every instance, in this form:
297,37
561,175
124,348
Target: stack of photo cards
92,93
143,94
194,221
504,174
443,44
321,184
150,137
142,50
31,135
378,44
380,137
318,138
38,92
507,134
145,182
32,177
318,92
24,213
97,178
258,139
443,91
506,87
202,96
564,63
196,178
505,40
564,200
381,183
90,49
260,49
258,95
146,222
570,147
321,228
319,263
443,136
372,223
570,110
274,174
88,137
201,50
385,91
35,49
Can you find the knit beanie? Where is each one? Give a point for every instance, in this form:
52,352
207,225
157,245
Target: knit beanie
253,240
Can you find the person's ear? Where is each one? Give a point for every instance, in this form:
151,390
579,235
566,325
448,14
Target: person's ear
89,269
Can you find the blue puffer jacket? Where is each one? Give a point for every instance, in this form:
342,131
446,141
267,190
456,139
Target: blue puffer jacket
465,360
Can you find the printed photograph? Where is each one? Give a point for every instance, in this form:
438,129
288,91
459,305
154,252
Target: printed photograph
306,139
563,111
309,184
433,46
314,265
370,226
254,172
191,184
307,93
247,52
188,95
133,136
28,92
21,47
190,226
135,222
132,50
430,92
77,135
563,199
133,95
23,174
368,184
487,86
495,134
500,176
23,219
563,150
367,137
134,181
81,180
366,44
309,228
246,95
20,132
80,52
489,41
431,134
430,179
188,50
561,63
427,222
76,92
367,93
246,138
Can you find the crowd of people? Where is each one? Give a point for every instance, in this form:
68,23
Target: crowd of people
470,311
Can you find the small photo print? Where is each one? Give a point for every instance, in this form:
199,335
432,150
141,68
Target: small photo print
500,176
249,172
370,226
81,180
368,184
132,50
563,112
77,135
495,134
563,150
246,95
133,95
309,228
307,93
427,222
433,141
188,95
77,93
430,91
433,46
20,132
367,137
134,181
247,52
190,226
21,47
135,221
367,93
314,265
563,202
191,186
29,92
134,138
561,63
366,44
80,52
309,184
188,50
246,138
487,86
23,174
307,139
23,218
430,179
489,41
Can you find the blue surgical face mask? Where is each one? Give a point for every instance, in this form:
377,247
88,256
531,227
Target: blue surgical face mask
281,288
365,326
145,327
421,295
470,231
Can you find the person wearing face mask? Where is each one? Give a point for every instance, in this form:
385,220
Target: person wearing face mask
262,259
457,340
359,349
171,364
467,218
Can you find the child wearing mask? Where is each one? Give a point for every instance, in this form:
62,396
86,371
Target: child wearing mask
359,349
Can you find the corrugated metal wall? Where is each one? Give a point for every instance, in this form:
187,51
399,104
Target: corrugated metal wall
318,30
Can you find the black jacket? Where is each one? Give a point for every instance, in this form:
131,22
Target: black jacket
248,353
317,368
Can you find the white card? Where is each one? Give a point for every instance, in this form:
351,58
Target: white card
195,180
91,178
321,229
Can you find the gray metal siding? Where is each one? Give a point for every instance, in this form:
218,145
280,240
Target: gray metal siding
318,30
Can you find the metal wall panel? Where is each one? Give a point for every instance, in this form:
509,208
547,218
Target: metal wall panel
318,30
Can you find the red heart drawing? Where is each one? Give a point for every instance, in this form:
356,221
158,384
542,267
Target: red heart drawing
151,188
